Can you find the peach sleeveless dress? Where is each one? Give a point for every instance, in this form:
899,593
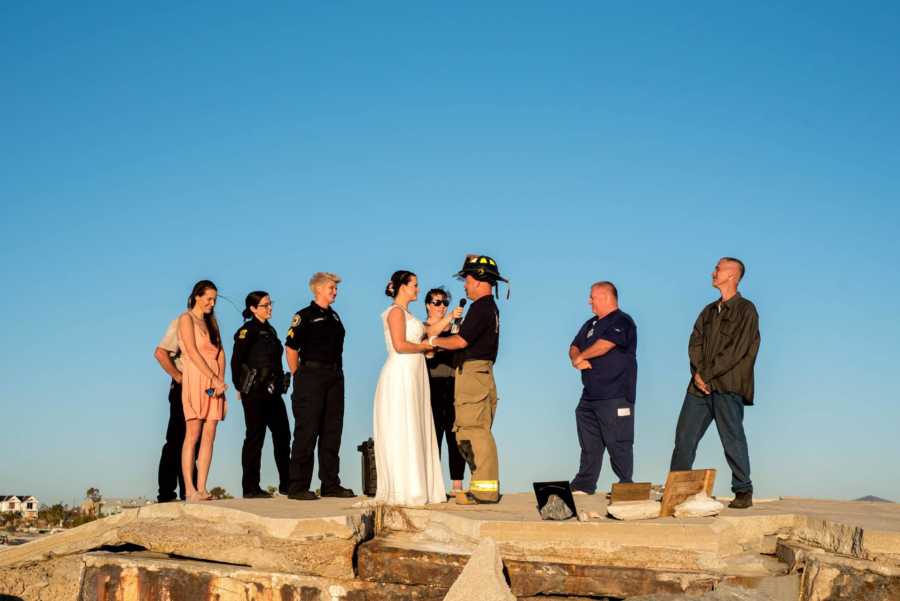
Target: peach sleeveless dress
197,404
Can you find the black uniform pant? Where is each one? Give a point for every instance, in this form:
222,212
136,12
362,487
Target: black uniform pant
604,425
170,474
444,413
261,411
318,405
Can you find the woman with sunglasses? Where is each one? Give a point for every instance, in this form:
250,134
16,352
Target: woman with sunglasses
440,377
256,371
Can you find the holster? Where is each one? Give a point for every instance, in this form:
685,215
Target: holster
248,379
264,379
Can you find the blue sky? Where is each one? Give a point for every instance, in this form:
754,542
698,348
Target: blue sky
144,148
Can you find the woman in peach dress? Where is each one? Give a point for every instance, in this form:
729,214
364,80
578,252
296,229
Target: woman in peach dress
202,386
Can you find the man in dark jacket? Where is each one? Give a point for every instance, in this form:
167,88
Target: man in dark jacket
722,351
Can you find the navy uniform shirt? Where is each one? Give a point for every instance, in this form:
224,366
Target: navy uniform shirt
613,375
481,330
317,334
256,345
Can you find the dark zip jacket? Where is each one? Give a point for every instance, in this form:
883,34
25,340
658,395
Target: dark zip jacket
723,347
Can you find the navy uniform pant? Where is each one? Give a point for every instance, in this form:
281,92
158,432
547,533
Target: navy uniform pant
604,425
727,410
318,406
170,474
261,411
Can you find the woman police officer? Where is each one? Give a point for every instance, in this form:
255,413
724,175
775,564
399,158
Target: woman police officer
258,376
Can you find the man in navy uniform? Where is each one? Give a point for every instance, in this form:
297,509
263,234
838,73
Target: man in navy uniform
605,351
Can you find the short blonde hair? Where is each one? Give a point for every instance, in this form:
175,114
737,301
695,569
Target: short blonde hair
322,277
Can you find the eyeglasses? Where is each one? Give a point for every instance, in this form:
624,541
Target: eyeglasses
438,303
265,305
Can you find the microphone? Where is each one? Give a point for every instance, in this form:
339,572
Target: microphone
454,328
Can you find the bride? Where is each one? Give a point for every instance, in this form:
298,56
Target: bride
406,453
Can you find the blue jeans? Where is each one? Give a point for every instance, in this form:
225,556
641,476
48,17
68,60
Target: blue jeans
604,425
697,412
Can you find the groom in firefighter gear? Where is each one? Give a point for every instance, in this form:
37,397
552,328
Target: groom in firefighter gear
476,393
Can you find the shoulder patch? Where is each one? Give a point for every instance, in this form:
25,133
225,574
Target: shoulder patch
291,333
296,320
242,334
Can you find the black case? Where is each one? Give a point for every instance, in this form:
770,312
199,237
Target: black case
369,474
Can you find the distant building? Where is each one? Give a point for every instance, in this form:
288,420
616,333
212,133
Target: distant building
27,505
113,506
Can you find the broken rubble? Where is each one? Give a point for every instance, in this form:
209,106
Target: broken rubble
555,509
635,510
698,506
482,579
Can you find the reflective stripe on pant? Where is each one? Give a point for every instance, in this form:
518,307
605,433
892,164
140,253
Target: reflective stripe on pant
476,405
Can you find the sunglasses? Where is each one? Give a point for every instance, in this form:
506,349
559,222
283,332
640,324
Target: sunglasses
438,303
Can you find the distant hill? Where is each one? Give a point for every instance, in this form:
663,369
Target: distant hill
873,499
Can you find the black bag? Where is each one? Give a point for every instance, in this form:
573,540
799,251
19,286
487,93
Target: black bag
369,474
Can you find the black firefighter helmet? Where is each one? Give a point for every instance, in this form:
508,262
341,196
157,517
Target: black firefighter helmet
482,268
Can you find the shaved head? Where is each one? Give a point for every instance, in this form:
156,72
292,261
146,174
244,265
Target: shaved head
608,286
736,263
604,298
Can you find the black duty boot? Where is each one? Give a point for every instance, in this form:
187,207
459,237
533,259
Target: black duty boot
257,494
337,491
303,495
742,500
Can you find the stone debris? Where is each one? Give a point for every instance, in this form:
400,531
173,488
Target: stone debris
555,509
698,506
482,579
635,510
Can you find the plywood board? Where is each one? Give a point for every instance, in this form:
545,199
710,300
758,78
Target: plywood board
632,491
683,484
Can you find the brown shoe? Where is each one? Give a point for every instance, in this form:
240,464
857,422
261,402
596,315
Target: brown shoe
742,500
467,498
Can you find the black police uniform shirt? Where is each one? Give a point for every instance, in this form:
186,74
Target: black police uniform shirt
613,375
317,334
257,346
481,330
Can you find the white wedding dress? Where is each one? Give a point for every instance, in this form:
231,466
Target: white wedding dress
406,453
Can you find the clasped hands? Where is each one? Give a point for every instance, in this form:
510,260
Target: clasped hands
219,386
580,363
699,383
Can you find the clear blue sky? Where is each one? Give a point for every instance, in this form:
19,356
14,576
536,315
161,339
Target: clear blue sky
145,148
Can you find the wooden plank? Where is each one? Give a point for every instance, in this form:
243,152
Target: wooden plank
683,484
632,491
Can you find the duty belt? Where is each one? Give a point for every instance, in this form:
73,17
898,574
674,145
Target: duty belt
321,365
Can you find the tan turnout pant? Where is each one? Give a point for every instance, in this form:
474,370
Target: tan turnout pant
476,404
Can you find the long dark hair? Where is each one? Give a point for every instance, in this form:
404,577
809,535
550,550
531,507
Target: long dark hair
253,299
212,326
400,278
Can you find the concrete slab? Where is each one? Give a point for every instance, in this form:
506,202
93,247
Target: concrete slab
320,538
275,537
142,576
